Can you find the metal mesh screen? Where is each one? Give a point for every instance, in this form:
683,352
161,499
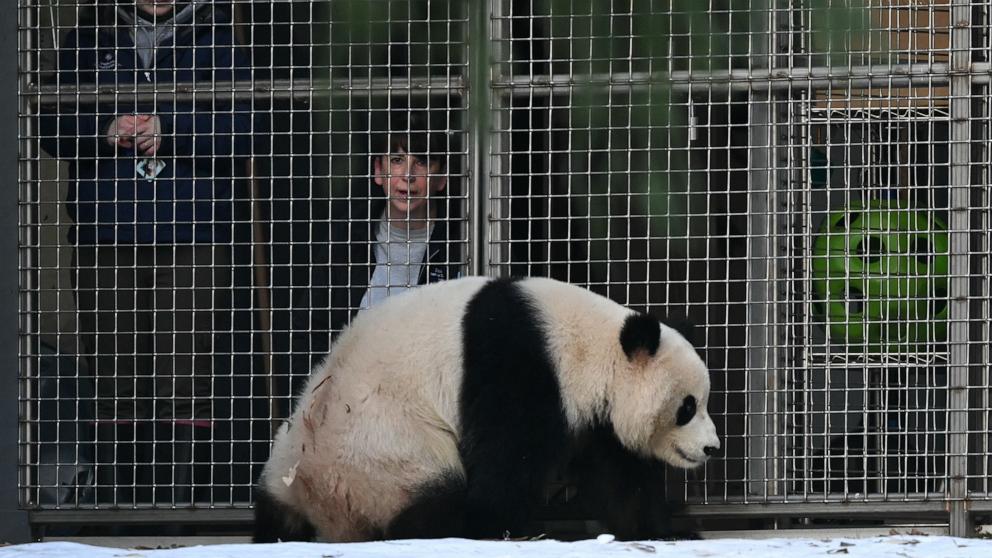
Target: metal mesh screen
791,189
173,302
805,181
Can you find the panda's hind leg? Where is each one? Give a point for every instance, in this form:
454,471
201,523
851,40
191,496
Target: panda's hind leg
275,521
436,511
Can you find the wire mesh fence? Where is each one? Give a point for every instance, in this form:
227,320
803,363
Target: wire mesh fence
205,194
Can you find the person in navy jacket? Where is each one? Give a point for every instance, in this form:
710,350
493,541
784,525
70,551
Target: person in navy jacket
151,193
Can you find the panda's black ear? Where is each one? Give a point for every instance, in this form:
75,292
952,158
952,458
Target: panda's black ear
682,325
640,332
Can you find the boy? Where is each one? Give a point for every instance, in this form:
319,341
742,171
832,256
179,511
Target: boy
402,235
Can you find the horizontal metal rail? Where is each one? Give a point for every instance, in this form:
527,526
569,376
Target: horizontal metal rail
129,515
751,509
206,91
817,78
744,79
818,509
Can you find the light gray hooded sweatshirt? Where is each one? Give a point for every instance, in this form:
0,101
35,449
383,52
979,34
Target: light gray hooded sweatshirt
149,32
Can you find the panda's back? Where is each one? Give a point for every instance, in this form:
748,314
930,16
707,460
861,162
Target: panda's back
412,346
408,346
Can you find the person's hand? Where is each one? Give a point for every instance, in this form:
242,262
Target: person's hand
121,130
148,133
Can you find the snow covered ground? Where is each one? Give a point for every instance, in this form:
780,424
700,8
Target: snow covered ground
901,546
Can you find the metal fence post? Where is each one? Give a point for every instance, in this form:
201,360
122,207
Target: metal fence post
959,234
13,521
760,280
479,124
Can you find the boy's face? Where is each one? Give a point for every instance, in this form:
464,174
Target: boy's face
155,7
407,181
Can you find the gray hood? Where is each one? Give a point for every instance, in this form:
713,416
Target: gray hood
149,34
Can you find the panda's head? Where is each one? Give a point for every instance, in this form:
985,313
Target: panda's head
659,394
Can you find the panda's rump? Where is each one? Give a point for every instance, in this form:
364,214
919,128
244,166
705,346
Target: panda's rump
364,453
377,423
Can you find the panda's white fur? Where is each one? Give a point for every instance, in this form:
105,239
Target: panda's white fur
381,419
377,416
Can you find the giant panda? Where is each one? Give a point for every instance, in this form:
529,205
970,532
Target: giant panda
443,411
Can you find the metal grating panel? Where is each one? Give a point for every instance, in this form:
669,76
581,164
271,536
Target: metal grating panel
804,180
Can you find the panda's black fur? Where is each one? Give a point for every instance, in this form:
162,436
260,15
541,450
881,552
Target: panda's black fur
626,492
514,434
514,427
275,521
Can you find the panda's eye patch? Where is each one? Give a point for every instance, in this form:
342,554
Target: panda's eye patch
686,411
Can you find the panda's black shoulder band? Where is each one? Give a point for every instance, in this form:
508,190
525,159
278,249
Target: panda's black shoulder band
640,332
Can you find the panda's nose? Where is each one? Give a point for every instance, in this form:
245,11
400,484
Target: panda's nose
710,450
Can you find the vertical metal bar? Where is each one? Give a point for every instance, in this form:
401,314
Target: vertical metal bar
959,233
13,521
28,234
479,124
758,252
497,229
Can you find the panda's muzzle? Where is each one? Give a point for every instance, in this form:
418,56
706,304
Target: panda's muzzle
685,456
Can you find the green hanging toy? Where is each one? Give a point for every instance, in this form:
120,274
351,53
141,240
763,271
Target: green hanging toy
880,276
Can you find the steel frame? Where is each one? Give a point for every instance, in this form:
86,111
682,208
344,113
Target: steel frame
772,85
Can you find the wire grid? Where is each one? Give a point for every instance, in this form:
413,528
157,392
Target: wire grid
898,153
680,157
319,89
706,196
875,250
